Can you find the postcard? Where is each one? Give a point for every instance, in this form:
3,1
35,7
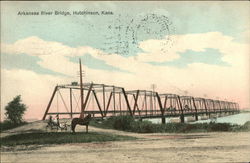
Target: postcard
125,81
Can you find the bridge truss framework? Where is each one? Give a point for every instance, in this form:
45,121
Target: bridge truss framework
109,100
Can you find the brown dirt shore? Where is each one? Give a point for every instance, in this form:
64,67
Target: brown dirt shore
158,147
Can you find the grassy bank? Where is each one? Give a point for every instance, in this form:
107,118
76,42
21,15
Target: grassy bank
6,125
127,123
60,138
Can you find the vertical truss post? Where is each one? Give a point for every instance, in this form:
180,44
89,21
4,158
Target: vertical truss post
209,107
151,103
205,105
223,105
196,112
229,106
190,102
237,107
180,106
103,95
165,103
171,105
114,98
233,107
154,104
50,101
145,98
213,103
219,106
70,101
120,103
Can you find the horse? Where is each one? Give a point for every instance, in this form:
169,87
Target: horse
80,121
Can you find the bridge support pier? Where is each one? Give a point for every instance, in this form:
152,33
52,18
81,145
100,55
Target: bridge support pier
163,120
196,117
182,117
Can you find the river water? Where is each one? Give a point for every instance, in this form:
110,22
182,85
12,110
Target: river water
239,119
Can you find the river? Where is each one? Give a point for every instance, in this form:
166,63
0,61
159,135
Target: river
239,119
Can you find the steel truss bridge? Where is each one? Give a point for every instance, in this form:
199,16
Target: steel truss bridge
102,100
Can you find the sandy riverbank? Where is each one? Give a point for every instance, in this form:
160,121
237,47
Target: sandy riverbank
193,147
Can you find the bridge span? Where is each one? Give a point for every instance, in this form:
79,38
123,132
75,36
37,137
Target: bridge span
103,100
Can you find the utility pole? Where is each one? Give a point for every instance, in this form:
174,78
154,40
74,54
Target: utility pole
81,89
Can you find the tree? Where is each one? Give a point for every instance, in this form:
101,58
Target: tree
15,110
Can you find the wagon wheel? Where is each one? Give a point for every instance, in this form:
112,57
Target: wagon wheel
48,127
57,128
64,127
68,127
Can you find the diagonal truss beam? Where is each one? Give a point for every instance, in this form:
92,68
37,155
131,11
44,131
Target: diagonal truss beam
109,100
205,105
77,101
136,99
86,100
63,101
126,99
159,102
50,101
136,106
98,104
165,104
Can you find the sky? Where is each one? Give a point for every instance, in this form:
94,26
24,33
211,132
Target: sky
195,48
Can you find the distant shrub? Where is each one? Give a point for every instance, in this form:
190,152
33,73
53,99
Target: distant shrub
143,127
128,123
172,127
219,127
15,110
6,125
123,122
245,127
188,127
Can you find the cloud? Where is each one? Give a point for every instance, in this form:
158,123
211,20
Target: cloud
153,50
231,82
157,51
37,47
